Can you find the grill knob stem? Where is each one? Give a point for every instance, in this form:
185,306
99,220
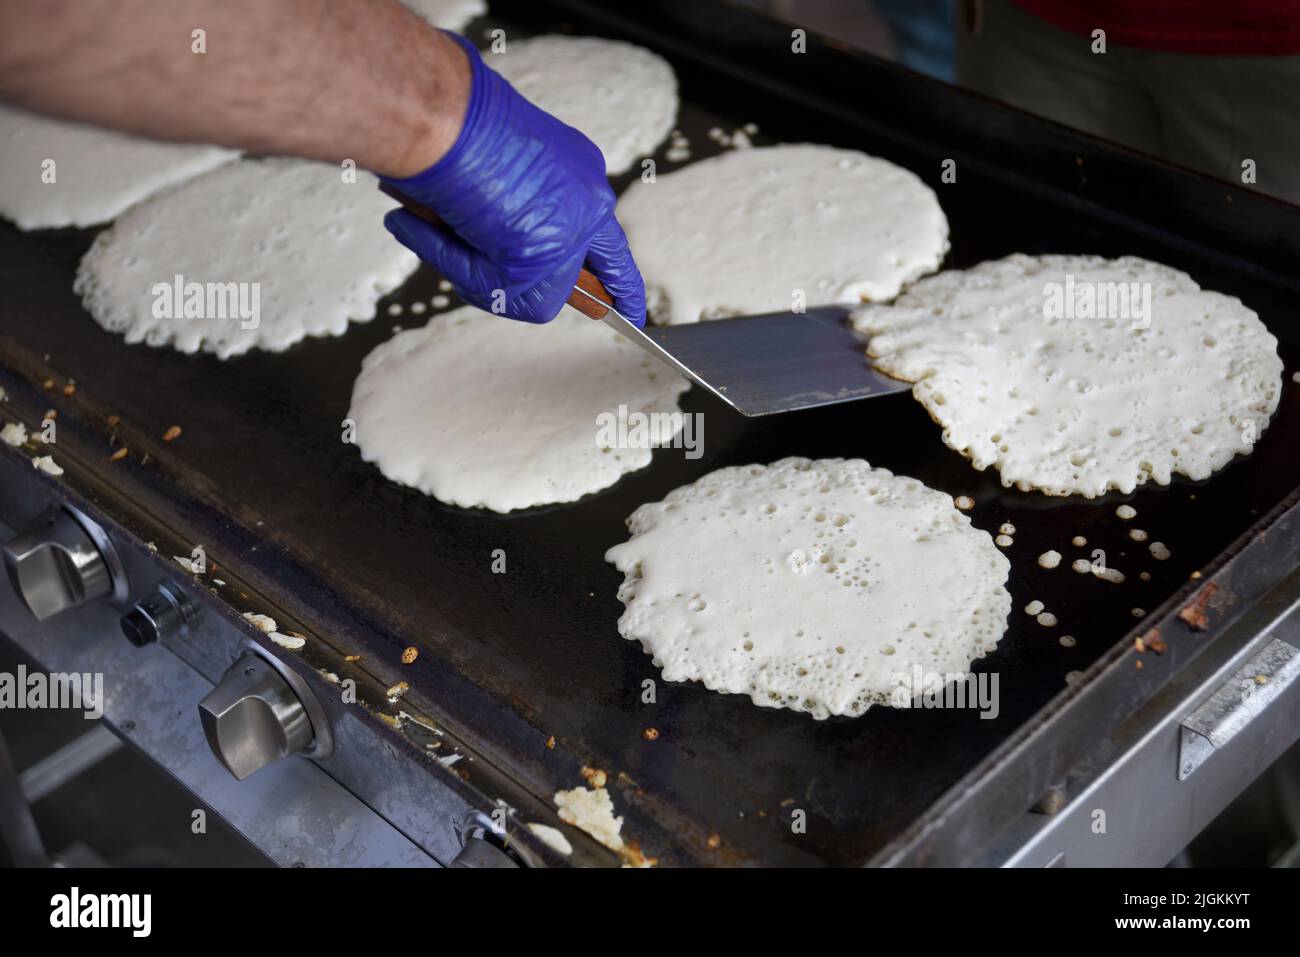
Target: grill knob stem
480,845
163,613
62,560
253,718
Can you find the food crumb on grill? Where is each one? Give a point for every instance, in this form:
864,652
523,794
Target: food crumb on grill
594,776
395,309
47,385
1067,641
1159,552
51,414
410,654
1007,528
172,434
351,657
1126,512
396,691
290,641
714,842
440,302
550,743
634,857
1047,620
1082,566
1137,534
1034,607
1004,541
1049,559
14,433
263,623
964,502
552,838
119,454
1073,677
1112,575
113,420
329,676
70,389
1145,576
1139,613
46,464
650,734
591,811
1078,541
417,308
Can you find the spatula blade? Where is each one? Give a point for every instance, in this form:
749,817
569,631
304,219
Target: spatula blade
780,362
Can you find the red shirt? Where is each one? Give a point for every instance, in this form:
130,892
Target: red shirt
1213,27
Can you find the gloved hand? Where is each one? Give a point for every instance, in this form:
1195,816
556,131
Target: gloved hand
526,201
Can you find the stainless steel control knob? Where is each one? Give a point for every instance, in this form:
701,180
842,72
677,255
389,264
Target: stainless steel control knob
63,560
253,717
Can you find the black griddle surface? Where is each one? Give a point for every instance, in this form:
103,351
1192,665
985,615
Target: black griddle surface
540,641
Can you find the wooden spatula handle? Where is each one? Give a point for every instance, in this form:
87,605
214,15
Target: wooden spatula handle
587,281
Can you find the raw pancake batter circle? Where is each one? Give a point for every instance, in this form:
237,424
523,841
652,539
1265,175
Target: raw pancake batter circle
810,585
623,97
1073,399
291,237
755,230
482,411
96,173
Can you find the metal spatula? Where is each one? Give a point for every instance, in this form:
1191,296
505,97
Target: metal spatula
758,365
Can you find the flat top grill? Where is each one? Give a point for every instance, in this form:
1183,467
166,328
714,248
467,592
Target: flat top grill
514,659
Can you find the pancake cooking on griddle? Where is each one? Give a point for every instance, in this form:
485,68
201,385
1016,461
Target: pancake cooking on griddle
1077,375
482,412
811,585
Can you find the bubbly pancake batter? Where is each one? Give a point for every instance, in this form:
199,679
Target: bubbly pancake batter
816,585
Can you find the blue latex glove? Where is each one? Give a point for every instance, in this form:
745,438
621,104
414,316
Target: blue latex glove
528,202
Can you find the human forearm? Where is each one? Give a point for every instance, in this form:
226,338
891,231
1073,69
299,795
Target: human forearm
365,80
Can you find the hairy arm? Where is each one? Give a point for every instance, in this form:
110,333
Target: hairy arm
365,80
